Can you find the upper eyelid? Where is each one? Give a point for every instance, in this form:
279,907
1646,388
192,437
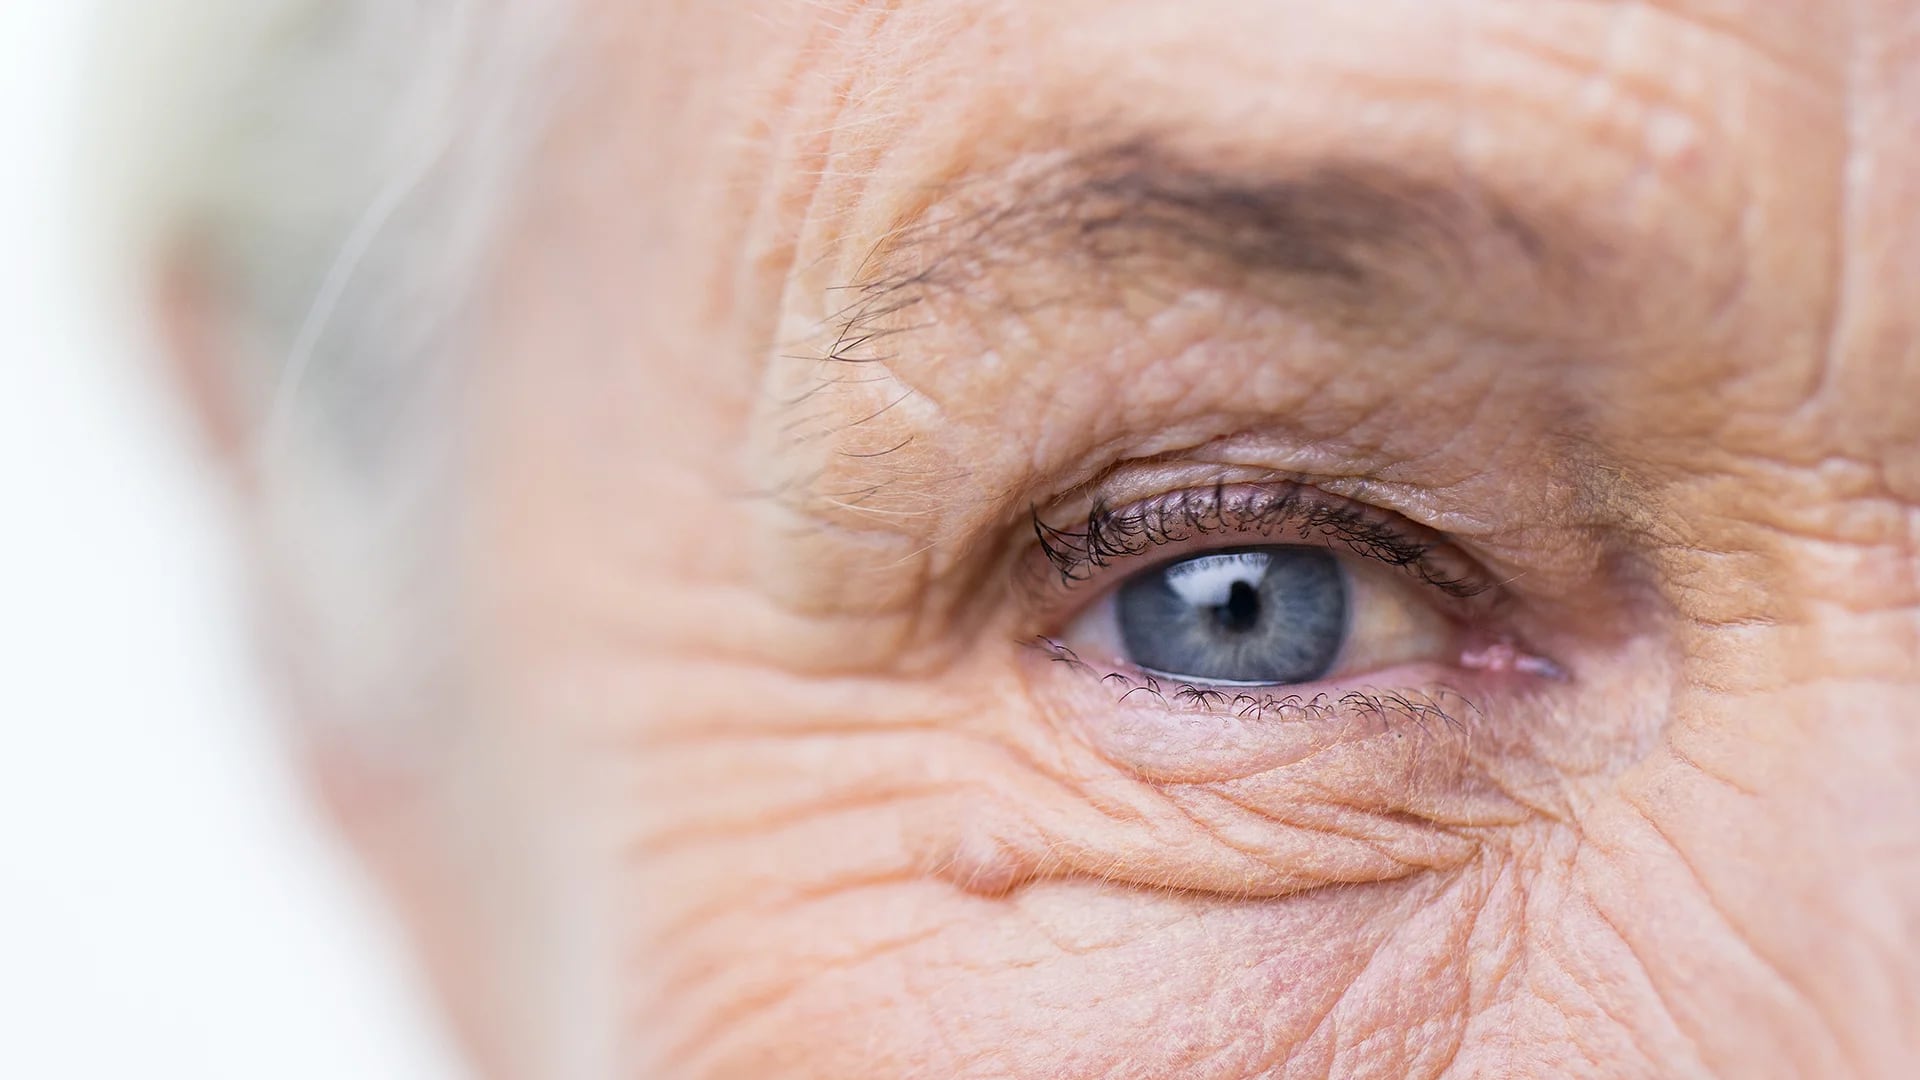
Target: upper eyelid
1256,509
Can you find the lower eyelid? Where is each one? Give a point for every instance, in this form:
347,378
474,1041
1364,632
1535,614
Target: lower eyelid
1174,729
1376,750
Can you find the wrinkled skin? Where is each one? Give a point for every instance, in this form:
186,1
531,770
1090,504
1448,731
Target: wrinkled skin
760,773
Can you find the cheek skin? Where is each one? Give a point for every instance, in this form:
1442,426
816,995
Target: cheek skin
1073,980
892,879
886,879
943,899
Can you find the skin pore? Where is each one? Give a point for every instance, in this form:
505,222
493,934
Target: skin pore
776,758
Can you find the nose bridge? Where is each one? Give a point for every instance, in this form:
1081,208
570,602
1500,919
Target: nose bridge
1867,384
1795,808
1792,572
1860,602
1804,663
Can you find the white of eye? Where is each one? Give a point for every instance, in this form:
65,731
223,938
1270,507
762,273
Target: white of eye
1208,581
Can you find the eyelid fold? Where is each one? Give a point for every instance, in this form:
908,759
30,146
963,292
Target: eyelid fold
1065,558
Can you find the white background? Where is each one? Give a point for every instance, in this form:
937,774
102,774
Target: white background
169,907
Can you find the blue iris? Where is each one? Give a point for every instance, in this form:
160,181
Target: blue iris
1262,615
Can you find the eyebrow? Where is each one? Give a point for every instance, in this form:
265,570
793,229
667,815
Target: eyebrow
1356,233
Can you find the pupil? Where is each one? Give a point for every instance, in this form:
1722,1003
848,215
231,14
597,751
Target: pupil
1242,609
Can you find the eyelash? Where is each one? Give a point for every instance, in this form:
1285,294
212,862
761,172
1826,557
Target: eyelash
1383,705
1110,536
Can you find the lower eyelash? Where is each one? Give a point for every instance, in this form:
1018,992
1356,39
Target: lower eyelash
1442,707
1111,535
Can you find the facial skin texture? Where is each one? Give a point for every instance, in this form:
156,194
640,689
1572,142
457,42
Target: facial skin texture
805,307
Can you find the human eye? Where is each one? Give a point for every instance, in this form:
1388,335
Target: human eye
1269,587
1264,615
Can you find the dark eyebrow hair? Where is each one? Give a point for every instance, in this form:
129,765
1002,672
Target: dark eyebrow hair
1329,219
1356,233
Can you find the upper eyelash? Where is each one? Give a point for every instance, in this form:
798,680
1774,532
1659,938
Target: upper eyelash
1112,534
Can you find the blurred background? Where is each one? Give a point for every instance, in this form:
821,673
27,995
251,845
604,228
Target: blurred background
169,906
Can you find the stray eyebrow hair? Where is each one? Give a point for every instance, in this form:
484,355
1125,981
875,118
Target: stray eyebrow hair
1354,234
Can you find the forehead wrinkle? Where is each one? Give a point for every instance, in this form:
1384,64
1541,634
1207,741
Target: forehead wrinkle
1362,237
957,218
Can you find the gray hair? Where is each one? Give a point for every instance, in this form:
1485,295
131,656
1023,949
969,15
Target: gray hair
334,170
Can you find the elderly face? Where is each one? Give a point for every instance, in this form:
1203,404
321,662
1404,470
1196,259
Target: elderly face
1113,538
